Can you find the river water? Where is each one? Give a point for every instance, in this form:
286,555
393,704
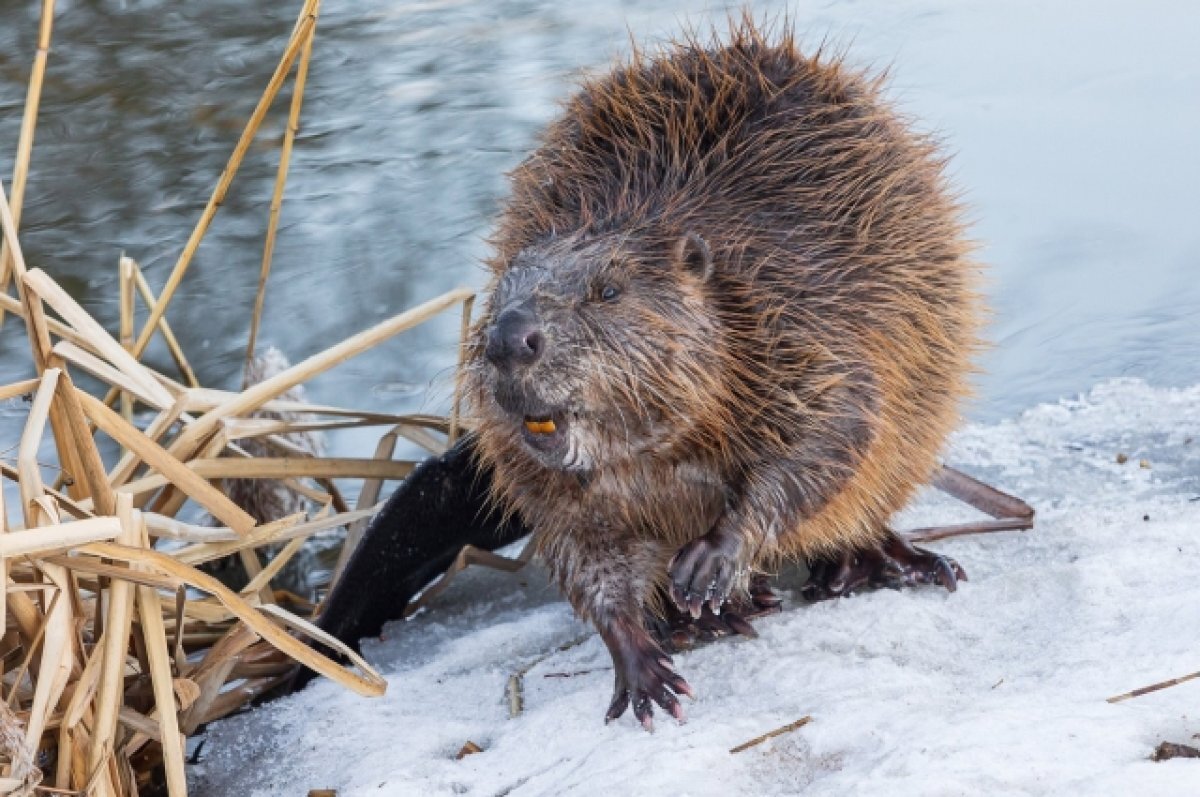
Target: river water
1074,138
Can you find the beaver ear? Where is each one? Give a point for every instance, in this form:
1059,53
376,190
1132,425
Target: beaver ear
693,256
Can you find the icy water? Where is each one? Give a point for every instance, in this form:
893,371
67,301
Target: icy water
1074,138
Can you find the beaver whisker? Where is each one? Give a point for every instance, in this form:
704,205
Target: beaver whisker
627,375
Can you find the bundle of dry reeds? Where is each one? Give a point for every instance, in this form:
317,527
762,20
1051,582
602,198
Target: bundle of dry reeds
115,649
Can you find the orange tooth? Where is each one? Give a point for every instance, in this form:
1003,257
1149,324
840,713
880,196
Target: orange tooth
540,427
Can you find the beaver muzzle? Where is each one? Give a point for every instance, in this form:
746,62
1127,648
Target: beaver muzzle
515,341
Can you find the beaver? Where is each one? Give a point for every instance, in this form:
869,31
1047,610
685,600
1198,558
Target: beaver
731,320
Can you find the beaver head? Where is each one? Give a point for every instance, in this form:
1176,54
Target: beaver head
596,348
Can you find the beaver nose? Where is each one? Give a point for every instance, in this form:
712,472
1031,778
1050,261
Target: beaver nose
515,339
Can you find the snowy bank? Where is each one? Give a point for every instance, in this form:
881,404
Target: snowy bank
997,689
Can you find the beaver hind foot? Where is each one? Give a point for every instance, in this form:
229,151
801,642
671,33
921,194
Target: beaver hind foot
894,563
678,630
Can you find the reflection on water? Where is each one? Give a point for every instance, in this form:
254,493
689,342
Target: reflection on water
416,109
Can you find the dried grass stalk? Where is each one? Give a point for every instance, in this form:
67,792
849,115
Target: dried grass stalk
116,641
168,335
369,495
154,636
254,397
369,683
280,531
83,563
757,740
57,654
285,158
77,317
295,467
33,100
58,537
1145,690
125,288
464,333
299,36
60,330
203,399
162,422
159,459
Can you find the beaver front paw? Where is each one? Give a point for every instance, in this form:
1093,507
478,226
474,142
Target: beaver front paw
645,676
676,630
704,572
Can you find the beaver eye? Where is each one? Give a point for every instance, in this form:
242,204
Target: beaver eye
610,293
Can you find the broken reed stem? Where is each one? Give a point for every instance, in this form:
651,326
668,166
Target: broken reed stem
92,477
285,158
79,704
262,580
514,688
281,530
53,294
67,442
462,359
33,100
368,496
27,449
255,396
33,638
157,654
168,336
158,458
1145,690
37,330
16,257
181,362
125,290
791,726
299,36
40,541
368,684
58,655
202,400
61,330
111,689
127,465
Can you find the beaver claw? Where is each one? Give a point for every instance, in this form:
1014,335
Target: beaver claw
895,563
703,573
645,675
677,630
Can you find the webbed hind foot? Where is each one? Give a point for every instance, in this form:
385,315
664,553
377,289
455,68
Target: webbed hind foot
894,563
678,630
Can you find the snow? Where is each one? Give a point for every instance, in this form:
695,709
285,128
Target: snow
998,688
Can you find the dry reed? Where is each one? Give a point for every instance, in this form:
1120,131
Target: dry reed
33,101
285,159
757,740
113,649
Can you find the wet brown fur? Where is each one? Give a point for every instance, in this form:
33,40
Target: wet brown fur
806,387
